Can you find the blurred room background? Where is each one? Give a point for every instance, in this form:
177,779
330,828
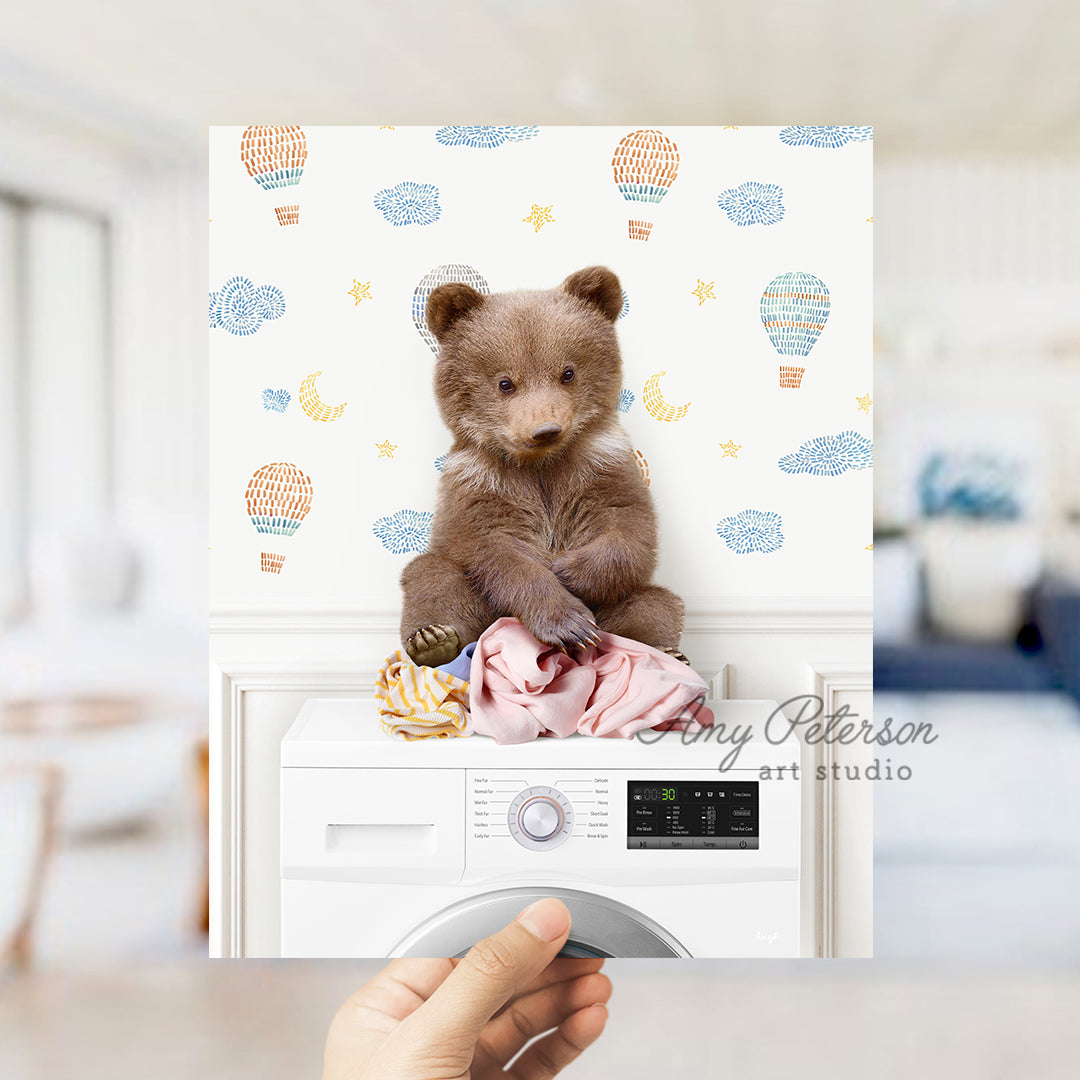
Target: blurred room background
104,457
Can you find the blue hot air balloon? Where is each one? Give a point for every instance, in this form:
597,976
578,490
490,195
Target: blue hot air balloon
794,310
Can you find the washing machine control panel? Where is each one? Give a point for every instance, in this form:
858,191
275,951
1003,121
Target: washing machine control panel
697,815
626,823
540,818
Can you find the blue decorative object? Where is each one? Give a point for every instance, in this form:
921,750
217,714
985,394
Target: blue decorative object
625,305
626,399
753,203
825,136
240,308
276,400
407,530
976,485
409,203
440,461
482,137
830,455
752,530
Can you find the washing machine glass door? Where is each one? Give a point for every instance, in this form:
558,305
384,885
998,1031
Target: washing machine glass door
600,926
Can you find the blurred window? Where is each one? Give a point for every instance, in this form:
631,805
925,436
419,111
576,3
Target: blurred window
56,423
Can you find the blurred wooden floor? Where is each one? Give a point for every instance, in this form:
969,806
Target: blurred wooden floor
267,1020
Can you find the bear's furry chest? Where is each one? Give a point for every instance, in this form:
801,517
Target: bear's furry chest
561,515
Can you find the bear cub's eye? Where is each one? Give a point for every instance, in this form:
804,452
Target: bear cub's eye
568,375
506,386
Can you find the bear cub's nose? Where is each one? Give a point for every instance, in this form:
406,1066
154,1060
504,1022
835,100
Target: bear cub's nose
547,433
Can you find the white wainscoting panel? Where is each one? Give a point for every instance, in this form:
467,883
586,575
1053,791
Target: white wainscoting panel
266,663
838,844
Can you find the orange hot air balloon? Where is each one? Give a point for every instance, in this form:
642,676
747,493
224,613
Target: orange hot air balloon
274,158
278,499
645,164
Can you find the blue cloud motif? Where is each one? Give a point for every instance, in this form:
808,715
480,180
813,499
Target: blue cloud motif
753,203
626,399
625,310
407,530
240,308
440,461
269,301
276,400
409,203
752,530
483,137
825,136
830,455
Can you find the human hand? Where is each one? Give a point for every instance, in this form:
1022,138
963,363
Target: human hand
466,1019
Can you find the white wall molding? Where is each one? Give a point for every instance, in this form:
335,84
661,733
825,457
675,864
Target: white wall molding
268,660
823,873
764,615
229,684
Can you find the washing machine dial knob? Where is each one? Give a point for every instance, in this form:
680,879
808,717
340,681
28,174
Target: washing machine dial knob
540,818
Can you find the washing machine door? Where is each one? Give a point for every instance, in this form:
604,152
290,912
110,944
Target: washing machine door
599,926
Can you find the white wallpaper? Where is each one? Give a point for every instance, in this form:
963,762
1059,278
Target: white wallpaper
333,293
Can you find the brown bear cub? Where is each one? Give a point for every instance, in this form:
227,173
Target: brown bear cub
542,512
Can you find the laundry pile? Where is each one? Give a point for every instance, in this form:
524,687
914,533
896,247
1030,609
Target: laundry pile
513,688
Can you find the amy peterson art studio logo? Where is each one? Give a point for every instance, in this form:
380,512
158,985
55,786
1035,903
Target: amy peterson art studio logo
803,720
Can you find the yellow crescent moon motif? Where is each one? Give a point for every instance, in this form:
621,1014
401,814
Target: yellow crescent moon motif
310,403
655,403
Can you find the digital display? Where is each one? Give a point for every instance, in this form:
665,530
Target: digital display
692,814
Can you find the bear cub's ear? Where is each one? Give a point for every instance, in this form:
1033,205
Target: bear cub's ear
597,285
447,304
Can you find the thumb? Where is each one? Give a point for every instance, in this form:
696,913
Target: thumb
492,972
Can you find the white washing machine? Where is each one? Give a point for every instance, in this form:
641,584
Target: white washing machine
391,848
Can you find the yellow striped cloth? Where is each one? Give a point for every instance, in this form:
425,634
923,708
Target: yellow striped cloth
421,702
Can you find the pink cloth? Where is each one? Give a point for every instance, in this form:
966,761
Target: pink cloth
520,689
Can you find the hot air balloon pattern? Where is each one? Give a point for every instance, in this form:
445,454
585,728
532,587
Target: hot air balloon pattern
442,275
643,466
645,165
274,158
794,310
278,499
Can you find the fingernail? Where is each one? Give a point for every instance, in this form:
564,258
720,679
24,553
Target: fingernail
546,919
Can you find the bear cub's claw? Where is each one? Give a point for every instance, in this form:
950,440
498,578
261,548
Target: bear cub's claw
433,645
571,628
680,656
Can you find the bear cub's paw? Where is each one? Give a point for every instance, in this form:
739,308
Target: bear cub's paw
433,645
680,656
569,626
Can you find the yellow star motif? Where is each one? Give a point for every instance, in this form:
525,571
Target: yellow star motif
361,292
870,218
869,547
703,291
729,127
539,215
865,403
730,449
386,449
386,127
